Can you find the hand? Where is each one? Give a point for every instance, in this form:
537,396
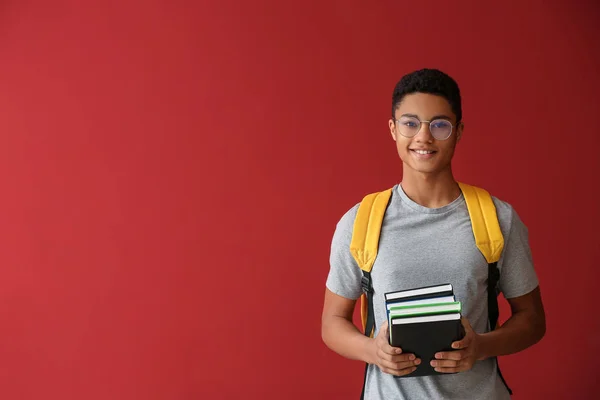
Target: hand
390,359
465,355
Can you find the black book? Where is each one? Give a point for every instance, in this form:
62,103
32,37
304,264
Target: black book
424,336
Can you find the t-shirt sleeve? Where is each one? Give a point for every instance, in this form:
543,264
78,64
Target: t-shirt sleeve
517,273
344,274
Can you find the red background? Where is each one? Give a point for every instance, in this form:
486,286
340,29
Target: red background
172,173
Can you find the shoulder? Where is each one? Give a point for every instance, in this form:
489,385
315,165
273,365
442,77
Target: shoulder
345,224
507,216
350,215
503,208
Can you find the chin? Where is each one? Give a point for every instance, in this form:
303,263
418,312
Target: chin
425,169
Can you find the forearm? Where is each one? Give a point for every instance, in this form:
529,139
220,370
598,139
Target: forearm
521,331
342,336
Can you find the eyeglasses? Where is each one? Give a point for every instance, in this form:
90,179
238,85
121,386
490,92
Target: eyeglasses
440,129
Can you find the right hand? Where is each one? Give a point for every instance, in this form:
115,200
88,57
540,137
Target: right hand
390,359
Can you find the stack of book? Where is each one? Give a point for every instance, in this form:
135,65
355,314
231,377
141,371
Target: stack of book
424,321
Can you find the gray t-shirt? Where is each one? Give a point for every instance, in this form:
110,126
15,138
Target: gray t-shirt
422,246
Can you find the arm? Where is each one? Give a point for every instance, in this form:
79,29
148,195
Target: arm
519,283
337,328
341,335
339,332
525,327
527,324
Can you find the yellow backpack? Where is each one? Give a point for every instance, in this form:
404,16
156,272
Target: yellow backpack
365,242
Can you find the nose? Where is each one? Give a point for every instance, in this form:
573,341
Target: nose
424,134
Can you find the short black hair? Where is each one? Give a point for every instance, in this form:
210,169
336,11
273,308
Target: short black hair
431,81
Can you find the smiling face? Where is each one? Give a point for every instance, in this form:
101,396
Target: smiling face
423,153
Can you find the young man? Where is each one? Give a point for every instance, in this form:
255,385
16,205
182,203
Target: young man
426,239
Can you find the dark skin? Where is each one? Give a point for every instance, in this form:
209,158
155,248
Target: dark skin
526,326
428,180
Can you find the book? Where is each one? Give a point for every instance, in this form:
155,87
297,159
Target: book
424,309
424,321
420,293
424,336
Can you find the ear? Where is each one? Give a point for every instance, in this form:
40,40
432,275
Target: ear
392,130
459,131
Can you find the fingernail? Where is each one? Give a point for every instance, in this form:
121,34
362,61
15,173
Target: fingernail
398,351
417,362
412,357
438,355
433,364
436,369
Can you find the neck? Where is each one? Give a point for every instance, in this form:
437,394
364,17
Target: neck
431,190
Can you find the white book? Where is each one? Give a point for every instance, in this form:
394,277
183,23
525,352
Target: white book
431,291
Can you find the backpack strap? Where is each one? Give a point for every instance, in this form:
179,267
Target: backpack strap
489,240
364,246
484,222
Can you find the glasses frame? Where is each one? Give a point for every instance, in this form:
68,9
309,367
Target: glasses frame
396,122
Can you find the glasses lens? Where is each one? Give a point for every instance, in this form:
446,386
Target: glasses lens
408,126
440,129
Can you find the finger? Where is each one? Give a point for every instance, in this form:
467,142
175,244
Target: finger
383,340
385,347
399,372
402,358
451,355
466,324
469,333
464,343
398,366
396,358
384,331
445,363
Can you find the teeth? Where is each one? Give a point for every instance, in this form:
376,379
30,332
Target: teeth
423,152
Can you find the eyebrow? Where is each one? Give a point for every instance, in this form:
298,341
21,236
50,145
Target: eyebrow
432,118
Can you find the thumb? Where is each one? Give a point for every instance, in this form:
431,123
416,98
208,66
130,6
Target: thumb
384,330
466,340
466,325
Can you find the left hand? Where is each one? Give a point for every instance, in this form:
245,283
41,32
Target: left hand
465,355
